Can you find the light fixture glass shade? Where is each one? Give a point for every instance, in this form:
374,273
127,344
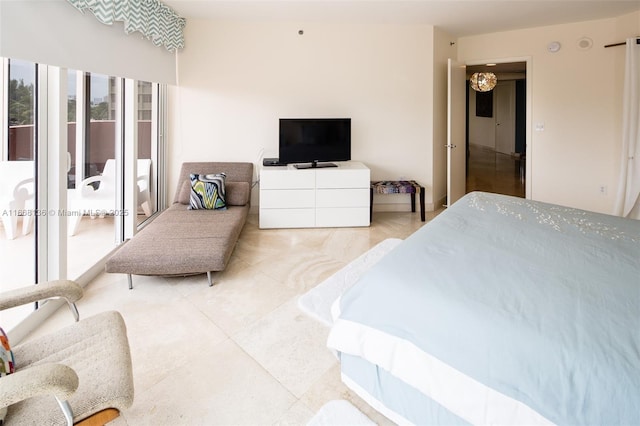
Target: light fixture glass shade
483,81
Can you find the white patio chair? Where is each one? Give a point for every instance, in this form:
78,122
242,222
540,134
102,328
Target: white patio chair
85,200
144,185
16,196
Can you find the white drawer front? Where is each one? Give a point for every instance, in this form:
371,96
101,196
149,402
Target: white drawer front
287,179
342,198
336,178
287,218
287,198
350,216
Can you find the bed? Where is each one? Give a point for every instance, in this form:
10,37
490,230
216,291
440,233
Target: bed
499,311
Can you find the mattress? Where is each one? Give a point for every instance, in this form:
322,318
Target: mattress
403,403
503,310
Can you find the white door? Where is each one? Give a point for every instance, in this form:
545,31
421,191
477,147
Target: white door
505,101
456,126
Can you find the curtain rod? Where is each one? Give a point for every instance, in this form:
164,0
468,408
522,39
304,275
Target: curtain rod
622,44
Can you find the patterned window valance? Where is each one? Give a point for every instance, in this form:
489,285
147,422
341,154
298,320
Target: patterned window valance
156,21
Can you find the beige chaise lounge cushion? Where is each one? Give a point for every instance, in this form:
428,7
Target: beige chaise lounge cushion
182,241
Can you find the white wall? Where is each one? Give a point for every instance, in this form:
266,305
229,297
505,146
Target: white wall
482,130
577,95
237,78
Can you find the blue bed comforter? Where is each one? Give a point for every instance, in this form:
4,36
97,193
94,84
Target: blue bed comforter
531,303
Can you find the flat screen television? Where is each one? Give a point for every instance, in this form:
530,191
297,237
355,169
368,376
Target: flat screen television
314,142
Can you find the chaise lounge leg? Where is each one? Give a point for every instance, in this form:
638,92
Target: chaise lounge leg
209,278
130,280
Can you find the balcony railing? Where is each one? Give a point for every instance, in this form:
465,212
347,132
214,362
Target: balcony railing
100,145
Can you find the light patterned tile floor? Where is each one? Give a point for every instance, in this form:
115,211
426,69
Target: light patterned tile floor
240,352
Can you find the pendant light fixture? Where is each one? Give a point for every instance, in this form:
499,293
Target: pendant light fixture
483,81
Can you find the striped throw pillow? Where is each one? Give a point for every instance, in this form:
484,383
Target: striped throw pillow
207,192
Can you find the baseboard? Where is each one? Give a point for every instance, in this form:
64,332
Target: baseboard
400,207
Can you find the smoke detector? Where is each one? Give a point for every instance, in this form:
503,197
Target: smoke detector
553,47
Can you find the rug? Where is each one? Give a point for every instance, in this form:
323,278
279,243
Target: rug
317,301
339,412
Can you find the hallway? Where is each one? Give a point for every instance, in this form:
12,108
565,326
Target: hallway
492,171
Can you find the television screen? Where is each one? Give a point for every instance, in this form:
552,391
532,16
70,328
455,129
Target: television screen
313,140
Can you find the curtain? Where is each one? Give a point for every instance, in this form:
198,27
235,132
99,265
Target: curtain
628,196
156,21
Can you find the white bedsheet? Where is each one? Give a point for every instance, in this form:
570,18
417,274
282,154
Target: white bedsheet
507,311
457,392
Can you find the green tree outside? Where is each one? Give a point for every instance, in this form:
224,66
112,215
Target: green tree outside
21,98
100,111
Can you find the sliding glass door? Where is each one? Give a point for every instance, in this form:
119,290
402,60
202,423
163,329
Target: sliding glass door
70,142
147,166
17,182
92,191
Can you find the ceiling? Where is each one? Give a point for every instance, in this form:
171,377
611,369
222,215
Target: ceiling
457,17
507,70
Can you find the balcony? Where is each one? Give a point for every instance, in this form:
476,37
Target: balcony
95,237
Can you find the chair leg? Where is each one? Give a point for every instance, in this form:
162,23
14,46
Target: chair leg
130,280
73,224
74,310
66,410
146,208
27,224
209,279
10,223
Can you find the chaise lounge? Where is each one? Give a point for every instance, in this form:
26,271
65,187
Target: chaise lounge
182,241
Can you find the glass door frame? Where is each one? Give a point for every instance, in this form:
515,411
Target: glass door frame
51,167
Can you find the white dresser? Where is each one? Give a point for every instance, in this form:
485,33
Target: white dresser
314,198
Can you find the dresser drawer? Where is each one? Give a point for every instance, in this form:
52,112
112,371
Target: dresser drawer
287,198
287,179
287,218
338,217
342,198
348,178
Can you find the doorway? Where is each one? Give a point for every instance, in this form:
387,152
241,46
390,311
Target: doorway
496,132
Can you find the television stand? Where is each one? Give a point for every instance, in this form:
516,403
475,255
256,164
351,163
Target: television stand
314,165
315,198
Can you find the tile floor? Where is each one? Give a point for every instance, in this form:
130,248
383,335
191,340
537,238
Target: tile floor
95,239
240,352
